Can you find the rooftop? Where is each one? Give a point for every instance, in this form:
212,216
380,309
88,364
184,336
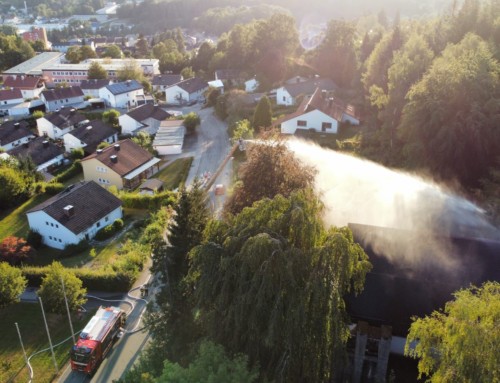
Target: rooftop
192,85
124,87
11,131
60,93
129,156
308,87
94,84
65,117
34,65
40,150
22,82
170,133
10,94
148,111
90,202
93,133
166,79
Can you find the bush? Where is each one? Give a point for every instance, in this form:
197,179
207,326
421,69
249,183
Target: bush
38,114
109,231
104,280
77,153
118,224
73,170
34,239
52,188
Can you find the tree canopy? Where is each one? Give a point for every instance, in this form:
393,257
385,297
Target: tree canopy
263,115
51,290
461,343
270,282
12,284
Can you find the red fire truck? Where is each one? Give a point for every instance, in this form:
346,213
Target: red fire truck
96,339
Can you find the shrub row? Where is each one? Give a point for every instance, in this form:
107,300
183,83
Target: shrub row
73,170
109,231
147,201
103,280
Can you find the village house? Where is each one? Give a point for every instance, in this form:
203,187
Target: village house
145,118
186,92
321,112
45,154
74,215
56,125
163,81
124,164
9,98
122,94
56,98
93,88
89,135
30,87
14,133
288,94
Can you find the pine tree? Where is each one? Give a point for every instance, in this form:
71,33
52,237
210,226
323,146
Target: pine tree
263,115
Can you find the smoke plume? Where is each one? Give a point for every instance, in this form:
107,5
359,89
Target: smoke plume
357,191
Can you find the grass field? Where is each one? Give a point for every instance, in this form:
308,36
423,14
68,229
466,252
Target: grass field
175,174
14,221
32,328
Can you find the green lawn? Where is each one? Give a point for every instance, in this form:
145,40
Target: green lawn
14,221
175,174
30,321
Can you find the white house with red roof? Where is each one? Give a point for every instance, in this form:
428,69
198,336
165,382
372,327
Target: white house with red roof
321,112
9,98
30,87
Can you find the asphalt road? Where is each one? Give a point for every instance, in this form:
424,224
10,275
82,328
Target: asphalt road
209,146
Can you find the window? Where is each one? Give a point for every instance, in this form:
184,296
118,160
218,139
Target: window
325,126
98,224
60,241
50,237
106,219
284,98
57,226
46,223
52,224
66,100
301,123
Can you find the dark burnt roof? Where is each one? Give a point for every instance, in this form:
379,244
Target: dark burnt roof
396,291
65,117
146,111
10,132
90,202
61,93
38,152
129,157
94,83
93,133
166,79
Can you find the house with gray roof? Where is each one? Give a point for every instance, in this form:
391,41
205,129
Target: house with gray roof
187,91
289,93
14,133
45,154
163,81
89,135
93,87
56,125
145,118
55,99
75,214
122,94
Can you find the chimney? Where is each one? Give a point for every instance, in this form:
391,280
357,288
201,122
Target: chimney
117,147
69,211
114,159
72,111
45,144
323,94
89,127
128,82
16,125
330,102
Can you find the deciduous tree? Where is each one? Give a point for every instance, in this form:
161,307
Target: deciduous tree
113,51
15,251
97,71
270,282
51,290
461,343
12,284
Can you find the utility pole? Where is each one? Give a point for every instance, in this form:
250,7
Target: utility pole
48,334
67,310
22,344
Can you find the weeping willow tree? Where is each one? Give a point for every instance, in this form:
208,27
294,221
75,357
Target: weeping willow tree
270,282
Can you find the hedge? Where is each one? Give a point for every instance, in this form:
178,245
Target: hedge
147,201
103,280
52,188
73,170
